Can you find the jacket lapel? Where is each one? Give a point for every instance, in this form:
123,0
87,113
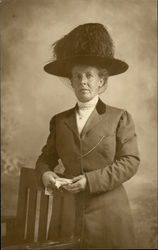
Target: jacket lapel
93,120
70,121
95,117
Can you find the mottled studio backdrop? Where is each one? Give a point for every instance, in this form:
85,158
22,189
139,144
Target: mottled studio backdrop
30,97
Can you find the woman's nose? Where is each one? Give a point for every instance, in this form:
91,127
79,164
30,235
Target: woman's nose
84,80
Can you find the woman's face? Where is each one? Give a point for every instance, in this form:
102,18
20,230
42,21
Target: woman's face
86,82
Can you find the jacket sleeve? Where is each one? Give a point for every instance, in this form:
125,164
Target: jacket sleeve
126,160
49,157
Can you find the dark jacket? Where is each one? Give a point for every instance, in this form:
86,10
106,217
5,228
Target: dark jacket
107,153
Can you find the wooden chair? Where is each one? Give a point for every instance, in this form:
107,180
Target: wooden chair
29,229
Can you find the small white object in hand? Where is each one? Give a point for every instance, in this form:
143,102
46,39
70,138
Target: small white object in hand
62,181
58,183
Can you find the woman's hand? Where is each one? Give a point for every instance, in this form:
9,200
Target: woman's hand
49,178
78,184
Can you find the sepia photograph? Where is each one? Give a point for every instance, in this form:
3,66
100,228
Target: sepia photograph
79,124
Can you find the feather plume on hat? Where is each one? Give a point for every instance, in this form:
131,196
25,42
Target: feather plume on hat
88,44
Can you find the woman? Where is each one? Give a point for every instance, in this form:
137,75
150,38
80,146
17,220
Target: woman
95,142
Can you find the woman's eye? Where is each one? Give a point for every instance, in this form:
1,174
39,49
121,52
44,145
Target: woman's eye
75,77
89,75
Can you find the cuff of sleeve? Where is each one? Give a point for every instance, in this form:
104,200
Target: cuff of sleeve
94,182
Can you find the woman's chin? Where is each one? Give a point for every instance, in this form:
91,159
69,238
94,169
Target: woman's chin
84,98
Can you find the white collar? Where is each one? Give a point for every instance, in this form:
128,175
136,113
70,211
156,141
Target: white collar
88,105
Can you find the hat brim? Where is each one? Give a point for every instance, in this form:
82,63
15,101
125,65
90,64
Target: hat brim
63,67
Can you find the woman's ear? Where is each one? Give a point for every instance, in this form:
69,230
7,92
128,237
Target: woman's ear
71,83
101,83
103,88
105,85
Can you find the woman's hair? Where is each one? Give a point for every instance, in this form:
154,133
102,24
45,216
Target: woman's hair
103,73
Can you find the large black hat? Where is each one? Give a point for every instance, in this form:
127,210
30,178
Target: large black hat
88,44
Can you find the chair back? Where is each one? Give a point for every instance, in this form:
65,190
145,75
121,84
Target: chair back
34,209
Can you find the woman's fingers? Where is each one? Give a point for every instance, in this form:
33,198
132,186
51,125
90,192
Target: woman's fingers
65,180
74,187
55,175
72,190
77,178
52,180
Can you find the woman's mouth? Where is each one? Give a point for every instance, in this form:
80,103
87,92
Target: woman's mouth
84,90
